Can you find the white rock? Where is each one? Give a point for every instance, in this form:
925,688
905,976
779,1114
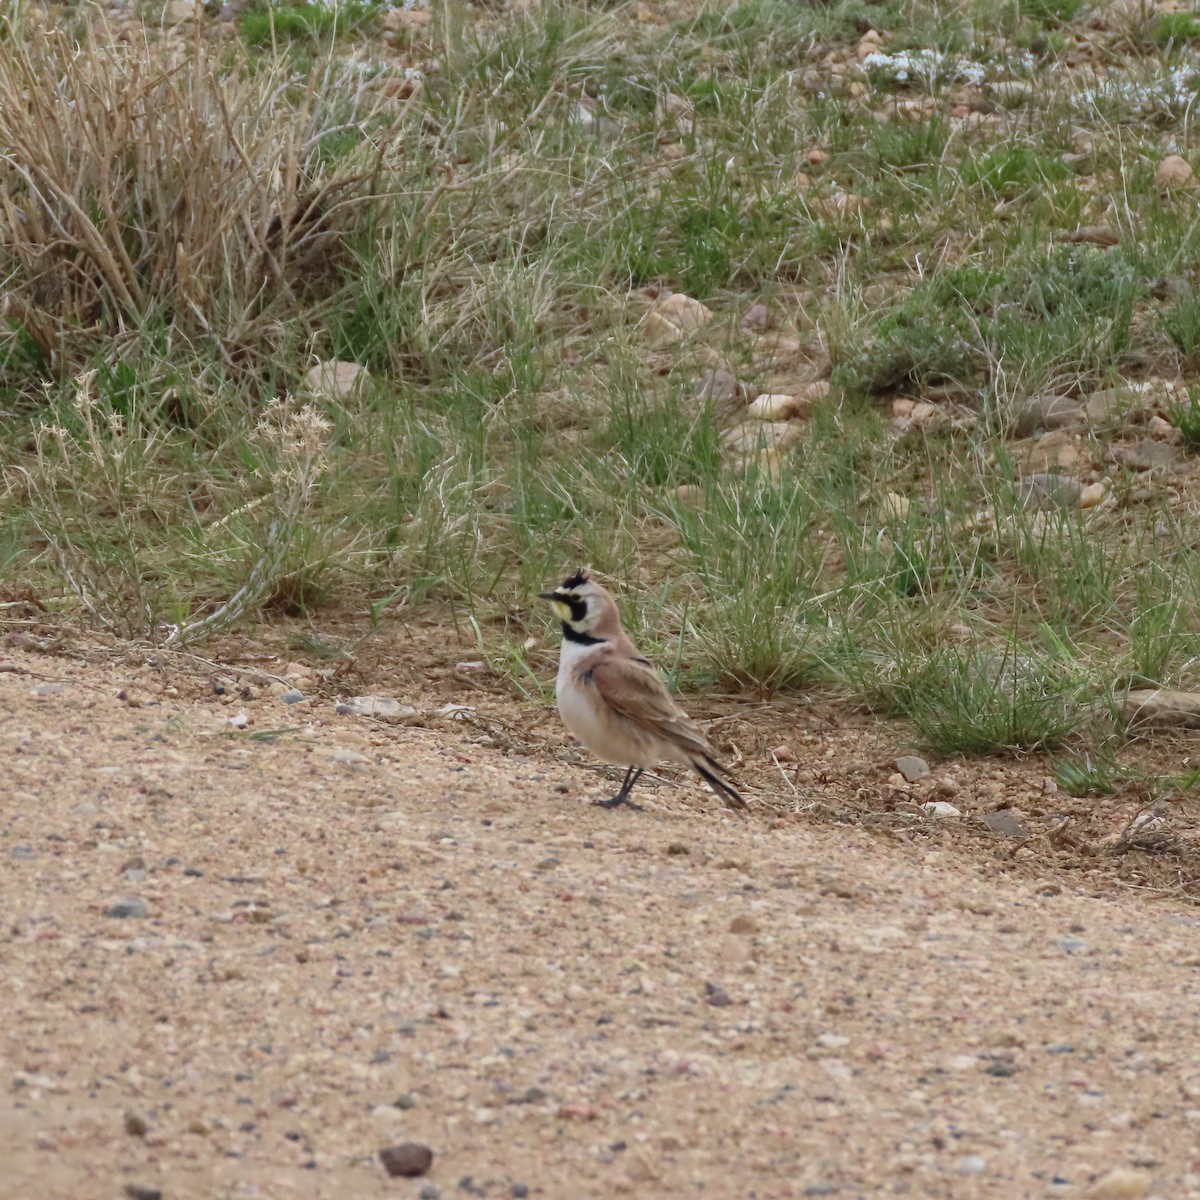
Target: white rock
336,380
940,808
771,435
894,507
832,1041
775,407
378,706
1121,1184
1173,172
673,317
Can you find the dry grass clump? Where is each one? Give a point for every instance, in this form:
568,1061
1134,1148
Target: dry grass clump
151,193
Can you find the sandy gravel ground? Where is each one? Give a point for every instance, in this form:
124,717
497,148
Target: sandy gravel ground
357,935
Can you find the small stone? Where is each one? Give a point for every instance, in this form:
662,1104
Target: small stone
894,507
136,1125
384,707
1121,1184
1005,822
783,754
1056,451
130,907
674,317
751,436
1000,1070
139,1191
1144,455
677,849
1093,495
1109,407
940,808
833,1041
1045,412
43,690
947,786
1010,91
719,386
407,1160
1095,235
177,11
1045,489
398,19
971,1164
336,380
756,318
912,767
770,407
744,925
405,1101
1162,708
816,156
718,997
292,696
1173,172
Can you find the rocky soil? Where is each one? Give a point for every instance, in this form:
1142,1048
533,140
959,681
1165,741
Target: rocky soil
242,962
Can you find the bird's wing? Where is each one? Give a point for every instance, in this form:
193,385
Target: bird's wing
633,690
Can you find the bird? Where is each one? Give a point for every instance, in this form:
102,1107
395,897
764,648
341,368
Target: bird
614,701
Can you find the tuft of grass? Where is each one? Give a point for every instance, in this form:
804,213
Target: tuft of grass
1182,323
749,546
1174,29
1185,416
196,215
975,702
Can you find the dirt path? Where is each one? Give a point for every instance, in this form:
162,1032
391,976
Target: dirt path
567,1002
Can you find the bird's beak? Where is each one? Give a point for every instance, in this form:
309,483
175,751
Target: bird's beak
551,596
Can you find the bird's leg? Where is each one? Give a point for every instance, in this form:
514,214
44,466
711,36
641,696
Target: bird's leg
622,797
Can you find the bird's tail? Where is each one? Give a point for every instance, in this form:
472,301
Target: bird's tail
711,771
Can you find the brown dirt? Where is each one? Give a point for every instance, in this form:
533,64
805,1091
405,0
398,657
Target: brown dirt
835,996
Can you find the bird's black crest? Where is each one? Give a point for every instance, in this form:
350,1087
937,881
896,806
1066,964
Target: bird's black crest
577,580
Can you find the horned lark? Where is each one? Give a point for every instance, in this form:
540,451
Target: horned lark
613,700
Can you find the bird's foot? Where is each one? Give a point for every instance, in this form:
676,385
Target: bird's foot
617,801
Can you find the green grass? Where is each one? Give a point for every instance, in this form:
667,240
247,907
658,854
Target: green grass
486,239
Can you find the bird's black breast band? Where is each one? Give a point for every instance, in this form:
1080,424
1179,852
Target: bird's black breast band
583,639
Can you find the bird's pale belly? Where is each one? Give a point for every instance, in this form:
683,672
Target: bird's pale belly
601,734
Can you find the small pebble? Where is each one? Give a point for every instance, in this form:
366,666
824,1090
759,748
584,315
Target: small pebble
139,1191
718,997
407,1160
912,767
940,808
405,1100
971,1164
132,906
136,1125
1121,1184
429,1191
